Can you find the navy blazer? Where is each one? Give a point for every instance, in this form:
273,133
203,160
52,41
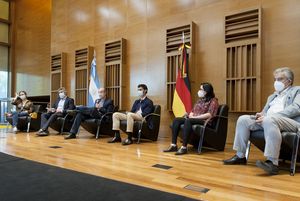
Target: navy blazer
69,104
108,105
146,106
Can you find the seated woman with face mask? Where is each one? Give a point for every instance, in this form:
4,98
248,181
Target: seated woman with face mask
205,108
23,108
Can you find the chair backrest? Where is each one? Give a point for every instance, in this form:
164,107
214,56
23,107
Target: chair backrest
157,109
221,121
116,108
36,108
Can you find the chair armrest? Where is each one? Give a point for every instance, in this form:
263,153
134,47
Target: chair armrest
220,116
72,112
149,115
105,115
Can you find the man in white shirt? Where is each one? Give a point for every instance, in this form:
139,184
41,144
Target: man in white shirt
281,113
58,109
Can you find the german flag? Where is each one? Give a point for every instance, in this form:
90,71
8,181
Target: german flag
182,100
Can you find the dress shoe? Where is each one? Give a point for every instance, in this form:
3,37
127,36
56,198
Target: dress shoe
127,142
171,148
114,140
268,166
181,151
235,160
43,133
70,136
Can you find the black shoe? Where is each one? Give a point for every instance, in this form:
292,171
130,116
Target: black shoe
181,151
171,148
235,160
127,142
70,136
268,166
43,133
114,140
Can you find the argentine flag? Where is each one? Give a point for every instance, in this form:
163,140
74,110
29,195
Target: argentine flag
94,83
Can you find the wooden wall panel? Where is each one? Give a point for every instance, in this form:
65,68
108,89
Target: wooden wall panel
31,45
76,24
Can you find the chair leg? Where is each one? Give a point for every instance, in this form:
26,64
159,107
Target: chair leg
201,140
248,150
98,131
294,156
62,126
139,136
28,125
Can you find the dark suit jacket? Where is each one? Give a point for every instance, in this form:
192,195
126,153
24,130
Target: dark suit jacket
108,106
69,104
146,105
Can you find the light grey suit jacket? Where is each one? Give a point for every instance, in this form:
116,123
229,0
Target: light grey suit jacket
291,105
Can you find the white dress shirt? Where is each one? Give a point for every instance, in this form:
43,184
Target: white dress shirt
61,104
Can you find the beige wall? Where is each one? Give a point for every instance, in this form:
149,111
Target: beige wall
76,24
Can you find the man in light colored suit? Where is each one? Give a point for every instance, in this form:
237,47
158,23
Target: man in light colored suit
281,113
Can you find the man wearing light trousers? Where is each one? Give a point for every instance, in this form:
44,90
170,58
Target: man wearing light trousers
280,114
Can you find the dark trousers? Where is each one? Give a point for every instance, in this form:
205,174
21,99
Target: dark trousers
77,121
85,113
186,131
48,118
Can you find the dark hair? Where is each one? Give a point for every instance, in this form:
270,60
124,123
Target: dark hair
208,88
144,87
24,92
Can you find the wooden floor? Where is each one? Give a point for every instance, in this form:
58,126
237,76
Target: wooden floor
133,164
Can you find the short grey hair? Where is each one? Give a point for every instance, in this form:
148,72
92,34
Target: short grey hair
287,72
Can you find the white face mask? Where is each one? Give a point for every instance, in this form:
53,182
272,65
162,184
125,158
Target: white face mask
23,97
279,86
201,93
140,93
61,95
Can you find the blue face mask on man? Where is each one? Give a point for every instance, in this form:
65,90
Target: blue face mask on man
279,86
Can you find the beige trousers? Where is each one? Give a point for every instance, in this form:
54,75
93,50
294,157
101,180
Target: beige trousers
130,117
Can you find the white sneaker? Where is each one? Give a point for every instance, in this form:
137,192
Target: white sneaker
15,129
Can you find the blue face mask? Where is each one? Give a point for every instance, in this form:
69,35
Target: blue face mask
279,86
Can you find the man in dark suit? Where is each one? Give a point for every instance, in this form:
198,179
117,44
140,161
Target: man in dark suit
141,108
102,106
59,109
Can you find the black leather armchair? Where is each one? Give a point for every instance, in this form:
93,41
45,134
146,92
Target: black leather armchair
289,147
214,135
62,124
28,123
100,126
148,128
